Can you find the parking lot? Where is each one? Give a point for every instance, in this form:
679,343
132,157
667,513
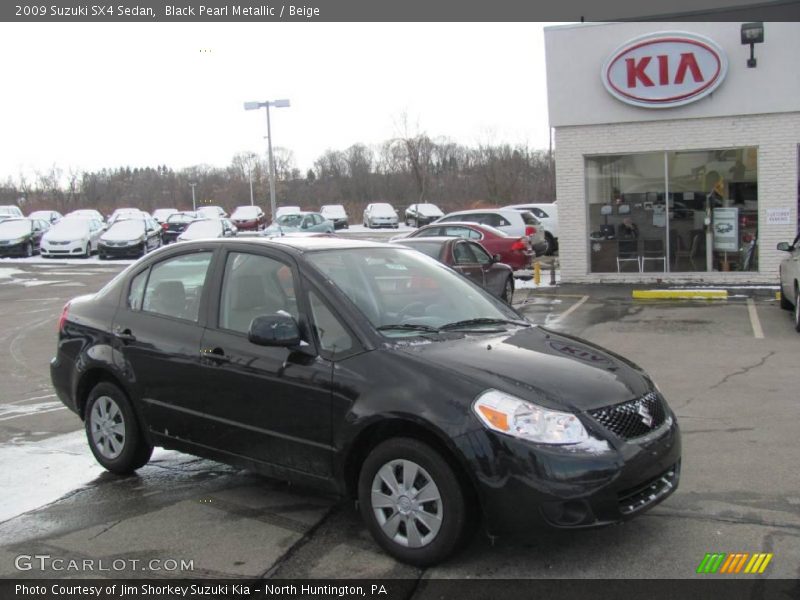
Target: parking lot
728,369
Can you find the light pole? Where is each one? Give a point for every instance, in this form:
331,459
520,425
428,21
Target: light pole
194,203
266,104
250,175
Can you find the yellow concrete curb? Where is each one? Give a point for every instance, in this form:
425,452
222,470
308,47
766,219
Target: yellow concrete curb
680,294
777,295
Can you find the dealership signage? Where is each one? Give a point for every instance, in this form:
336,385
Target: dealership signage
664,69
726,229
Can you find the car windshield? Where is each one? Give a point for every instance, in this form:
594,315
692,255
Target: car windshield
14,229
245,212
290,220
402,292
207,228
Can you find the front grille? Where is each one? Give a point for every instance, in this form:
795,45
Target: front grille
634,418
58,243
645,494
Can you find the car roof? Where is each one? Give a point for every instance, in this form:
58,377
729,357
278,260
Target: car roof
304,244
475,211
433,238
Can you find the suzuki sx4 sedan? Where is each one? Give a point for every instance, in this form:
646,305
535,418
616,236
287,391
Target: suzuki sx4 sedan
370,371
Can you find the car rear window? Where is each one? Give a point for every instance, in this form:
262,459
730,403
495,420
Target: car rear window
529,219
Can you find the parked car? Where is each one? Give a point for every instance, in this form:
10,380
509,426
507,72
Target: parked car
21,236
286,210
212,212
302,221
337,214
89,213
789,271
129,237
249,218
208,228
380,214
72,236
422,214
513,222
176,224
471,260
514,251
548,217
10,212
162,214
51,216
125,213
370,371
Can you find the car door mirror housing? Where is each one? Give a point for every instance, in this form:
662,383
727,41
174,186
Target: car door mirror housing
274,330
496,258
785,247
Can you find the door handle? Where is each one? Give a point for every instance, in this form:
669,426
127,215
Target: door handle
217,355
124,335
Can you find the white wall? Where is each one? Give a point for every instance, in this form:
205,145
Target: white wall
776,136
576,95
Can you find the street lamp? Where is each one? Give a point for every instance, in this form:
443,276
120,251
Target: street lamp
266,104
194,204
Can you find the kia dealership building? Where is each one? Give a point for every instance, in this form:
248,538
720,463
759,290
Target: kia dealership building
676,152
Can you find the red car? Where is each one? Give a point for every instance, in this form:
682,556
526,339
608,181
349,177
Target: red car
249,218
514,251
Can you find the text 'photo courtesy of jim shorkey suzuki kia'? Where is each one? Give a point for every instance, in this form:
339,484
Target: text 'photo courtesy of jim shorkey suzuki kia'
371,371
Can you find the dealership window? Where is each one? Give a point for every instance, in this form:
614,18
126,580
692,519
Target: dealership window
660,211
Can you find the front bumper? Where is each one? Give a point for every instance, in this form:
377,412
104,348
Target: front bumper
14,250
524,486
247,225
75,248
135,250
377,223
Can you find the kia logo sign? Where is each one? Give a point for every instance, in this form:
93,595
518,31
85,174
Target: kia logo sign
664,69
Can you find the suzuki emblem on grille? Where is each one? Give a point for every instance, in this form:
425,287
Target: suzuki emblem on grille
647,418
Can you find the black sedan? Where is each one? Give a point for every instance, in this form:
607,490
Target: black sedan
176,224
21,236
133,237
371,371
471,260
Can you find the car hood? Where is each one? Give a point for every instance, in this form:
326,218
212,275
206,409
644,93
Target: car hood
550,369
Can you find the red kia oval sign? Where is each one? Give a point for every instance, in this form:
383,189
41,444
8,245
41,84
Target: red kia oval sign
665,69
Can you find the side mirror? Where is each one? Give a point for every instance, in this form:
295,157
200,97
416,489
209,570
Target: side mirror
274,330
497,258
784,247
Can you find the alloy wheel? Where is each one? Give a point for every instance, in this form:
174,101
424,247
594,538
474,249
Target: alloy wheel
797,309
107,426
508,291
406,503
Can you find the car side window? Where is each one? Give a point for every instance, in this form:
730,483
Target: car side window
331,334
136,293
480,254
175,286
253,286
462,253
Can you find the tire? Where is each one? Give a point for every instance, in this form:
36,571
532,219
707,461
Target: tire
797,309
88,252
550,248
29,250
101,256
113,432
405,535
508,291
786,304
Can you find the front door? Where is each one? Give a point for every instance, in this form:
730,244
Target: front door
466,263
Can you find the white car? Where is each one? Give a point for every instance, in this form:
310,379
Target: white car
514,222
380,214
790,279
72,236
121,214
337,214
51,216
548,216
162,214
208,228
212,212
87,213
286,210
10,212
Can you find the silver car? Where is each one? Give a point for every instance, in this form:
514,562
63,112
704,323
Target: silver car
380,214
790,279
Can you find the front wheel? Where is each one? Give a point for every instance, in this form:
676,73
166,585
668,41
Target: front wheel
797,309
29,250
113,431
508,291
786,304
412,502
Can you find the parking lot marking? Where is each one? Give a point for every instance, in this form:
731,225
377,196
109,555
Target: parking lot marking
572,308
35,412
758,333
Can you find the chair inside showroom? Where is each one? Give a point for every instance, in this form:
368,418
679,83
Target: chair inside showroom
628,252
653,251
682,251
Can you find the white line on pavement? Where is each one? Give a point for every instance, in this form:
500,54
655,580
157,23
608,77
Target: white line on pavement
572,308
758,333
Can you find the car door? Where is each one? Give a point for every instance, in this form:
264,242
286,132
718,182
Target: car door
494,274
269,404
157,332
152,234
466,263
38,229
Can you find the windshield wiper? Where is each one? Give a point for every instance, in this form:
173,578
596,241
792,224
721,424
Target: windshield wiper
482,321
409,327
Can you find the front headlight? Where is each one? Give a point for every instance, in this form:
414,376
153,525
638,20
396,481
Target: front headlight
514,416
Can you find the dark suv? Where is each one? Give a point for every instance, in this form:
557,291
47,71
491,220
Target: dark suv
371,371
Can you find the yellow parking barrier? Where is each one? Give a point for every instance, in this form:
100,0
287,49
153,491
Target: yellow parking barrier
680,294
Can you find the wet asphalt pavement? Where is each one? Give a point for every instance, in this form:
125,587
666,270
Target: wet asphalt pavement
736,397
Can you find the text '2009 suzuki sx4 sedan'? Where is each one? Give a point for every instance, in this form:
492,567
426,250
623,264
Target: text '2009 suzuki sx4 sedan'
370,371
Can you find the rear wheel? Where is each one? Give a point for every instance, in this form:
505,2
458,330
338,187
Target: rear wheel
88,252
113,431
508,291
412,502
797,309
550,248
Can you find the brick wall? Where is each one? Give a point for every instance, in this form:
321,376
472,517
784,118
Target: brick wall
777,137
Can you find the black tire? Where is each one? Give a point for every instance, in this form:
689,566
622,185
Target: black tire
113,432
88,252
508,291
797,309
29,249
786,304
409,544
550,248
101,256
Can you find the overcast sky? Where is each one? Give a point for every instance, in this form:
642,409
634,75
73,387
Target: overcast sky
89,96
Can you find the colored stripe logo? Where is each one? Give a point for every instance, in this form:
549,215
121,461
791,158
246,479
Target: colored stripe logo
734,563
